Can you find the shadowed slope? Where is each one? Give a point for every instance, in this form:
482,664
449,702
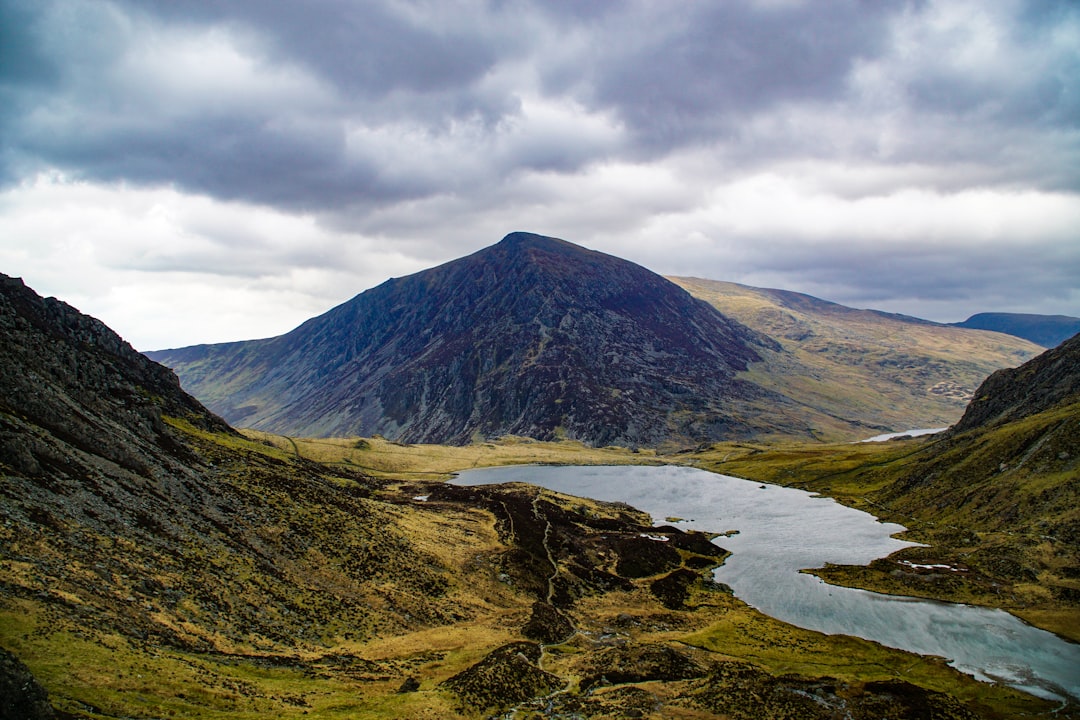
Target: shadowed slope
1046,330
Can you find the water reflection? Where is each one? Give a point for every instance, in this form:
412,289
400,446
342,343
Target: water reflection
783,530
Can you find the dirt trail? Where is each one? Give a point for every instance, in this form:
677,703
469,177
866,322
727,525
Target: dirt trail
547,549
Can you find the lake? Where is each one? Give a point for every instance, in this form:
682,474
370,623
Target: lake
784,530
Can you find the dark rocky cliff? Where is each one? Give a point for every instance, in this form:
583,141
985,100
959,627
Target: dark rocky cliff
1042,383
76,381
533,336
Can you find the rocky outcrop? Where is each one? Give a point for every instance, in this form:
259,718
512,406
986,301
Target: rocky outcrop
533,336
637,664
507,676
1047,381
21,697
558,554
75,380
744,692
547,625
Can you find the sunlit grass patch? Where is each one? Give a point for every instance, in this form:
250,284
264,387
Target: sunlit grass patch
388,459
781,649
100,674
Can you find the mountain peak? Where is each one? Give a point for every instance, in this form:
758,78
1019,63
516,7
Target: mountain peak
532,336
520,239
530,247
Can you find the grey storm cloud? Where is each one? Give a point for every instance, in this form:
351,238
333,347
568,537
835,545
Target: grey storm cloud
927,273
686,76
671,77
362,47
823,143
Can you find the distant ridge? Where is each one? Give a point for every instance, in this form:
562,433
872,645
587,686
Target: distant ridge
850,368
533,336
1046,330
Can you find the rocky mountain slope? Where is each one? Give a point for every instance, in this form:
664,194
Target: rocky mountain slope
541,338
862,368
153,563
133,515
1046,330
1048,381
73,380
533,336
1012,462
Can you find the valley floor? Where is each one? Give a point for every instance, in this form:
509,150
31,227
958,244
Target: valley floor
488,604
1029,575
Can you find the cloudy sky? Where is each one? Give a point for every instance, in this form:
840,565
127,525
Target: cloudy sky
224,169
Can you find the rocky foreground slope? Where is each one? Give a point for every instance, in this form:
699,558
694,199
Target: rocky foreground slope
153,563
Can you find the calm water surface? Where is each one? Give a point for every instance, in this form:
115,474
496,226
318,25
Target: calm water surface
783,530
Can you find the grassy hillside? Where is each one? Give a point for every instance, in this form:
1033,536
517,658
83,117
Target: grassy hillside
860,372
387,458
327,593
999,508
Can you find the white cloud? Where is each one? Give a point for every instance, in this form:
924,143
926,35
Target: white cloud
166,268
209,71
226,170
776,205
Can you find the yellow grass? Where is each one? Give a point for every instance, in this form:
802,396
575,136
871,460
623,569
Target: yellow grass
384,458
861,366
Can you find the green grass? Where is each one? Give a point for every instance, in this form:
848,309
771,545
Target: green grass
783,649
85,666
1004,502
108,675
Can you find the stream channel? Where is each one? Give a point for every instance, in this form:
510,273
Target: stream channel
784,530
